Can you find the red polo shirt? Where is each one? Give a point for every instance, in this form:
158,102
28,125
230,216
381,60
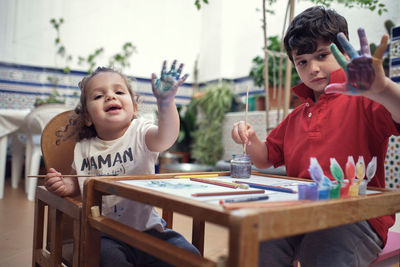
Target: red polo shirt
336,126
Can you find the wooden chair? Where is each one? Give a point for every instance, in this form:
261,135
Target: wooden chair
56,239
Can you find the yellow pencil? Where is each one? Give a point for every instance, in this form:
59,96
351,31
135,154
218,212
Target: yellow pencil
198,175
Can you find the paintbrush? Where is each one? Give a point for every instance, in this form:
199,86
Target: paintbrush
245,118
63,175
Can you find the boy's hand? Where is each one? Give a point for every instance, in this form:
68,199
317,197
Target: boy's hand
365,74
165,88
242,133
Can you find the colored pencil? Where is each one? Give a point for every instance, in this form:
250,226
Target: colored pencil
269,187
243,199
63,175
241,192
266,204
220,183
197,175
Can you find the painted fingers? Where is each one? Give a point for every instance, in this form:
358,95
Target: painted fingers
359,69
165,88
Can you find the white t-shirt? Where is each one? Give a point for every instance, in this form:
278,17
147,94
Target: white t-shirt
123,156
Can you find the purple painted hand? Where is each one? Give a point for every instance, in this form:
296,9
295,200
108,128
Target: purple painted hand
165,88
362,70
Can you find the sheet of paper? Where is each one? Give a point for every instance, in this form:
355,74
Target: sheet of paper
185,187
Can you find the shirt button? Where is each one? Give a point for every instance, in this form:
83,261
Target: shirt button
307,104
309,115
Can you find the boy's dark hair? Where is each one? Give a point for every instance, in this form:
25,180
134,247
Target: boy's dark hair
313,25
81,114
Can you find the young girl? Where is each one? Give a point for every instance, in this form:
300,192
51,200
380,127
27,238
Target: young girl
113,141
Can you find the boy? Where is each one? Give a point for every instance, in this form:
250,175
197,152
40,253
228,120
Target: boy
329,124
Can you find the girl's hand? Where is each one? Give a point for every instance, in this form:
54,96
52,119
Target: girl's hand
55,184
365,74
242,133
165,88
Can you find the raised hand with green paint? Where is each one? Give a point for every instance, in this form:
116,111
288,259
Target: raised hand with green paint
165,88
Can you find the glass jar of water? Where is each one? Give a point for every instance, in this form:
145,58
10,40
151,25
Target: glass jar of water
240,166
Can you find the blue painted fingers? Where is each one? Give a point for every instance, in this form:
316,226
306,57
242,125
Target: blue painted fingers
165,88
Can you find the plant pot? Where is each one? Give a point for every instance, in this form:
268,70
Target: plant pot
260,103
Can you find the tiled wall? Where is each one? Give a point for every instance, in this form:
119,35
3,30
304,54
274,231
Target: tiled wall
21,85
392,164
392,161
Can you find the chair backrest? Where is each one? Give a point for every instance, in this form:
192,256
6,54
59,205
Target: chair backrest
58,142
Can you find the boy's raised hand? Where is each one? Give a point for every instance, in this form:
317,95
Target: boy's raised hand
165,88
365,74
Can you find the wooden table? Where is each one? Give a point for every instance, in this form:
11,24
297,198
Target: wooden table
247,227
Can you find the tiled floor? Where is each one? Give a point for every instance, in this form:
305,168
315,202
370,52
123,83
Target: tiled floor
16,224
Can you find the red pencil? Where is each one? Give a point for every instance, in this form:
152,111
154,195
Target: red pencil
241,192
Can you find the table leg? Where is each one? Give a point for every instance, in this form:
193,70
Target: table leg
243,241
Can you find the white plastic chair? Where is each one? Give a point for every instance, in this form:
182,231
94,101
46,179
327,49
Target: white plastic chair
35,122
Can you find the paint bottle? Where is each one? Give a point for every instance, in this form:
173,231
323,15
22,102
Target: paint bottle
308,191
334,191
240,166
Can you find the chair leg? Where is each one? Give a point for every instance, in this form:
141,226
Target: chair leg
28,159
17,161
38,231
3,154
34,170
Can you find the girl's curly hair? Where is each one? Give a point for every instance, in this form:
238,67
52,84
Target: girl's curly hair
81,114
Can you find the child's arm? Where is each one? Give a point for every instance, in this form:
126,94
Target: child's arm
258,151
164,89
66,186
365,74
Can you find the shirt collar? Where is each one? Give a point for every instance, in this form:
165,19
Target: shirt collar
306,94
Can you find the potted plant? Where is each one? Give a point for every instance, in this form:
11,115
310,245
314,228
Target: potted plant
257,69
187,118
207,145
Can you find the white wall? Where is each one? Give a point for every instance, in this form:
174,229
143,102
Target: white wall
159,30
225,34
241,38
